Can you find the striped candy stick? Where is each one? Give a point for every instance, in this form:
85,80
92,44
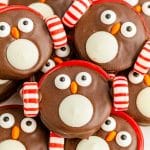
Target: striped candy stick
57,31
142,64
121,93
56,142
3,3
30,98
75,12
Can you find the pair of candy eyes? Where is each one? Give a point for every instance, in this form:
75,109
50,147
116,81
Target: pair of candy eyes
145,6
63,81
25,25
123,138
7,121
128,29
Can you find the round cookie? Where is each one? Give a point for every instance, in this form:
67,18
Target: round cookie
7,88
113,36
22,52
45,7
143,7
75,93
119,132
19,132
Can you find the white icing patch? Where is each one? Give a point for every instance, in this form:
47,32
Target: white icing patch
143,102
45,10
76,110
102,47
93,143
4,1
132,2
146,9
11,145
3,81
22,54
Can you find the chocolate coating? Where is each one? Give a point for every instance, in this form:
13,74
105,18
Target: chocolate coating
44,44
128,48
121,125
59,6
8,88
97,92
36,140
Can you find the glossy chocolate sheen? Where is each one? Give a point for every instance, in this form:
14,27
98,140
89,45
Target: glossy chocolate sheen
97,92
129,48
8,88
122,125
44,44
37,140
59,6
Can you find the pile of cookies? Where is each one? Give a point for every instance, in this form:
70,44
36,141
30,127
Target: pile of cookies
82,72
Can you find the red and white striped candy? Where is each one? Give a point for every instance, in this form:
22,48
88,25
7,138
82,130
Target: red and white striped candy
121,93
75,12
3,3
30,98
112,76
56,142
57,32
142,64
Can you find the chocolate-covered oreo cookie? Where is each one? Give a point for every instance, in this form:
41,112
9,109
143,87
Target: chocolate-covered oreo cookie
73,99
142,7
45,7
119,132
110,34
19,132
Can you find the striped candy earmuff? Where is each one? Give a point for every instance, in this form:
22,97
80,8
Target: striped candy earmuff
141,66
75,12
121,93
56,142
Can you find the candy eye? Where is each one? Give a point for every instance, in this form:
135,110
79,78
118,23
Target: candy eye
62,81
109,124
7,120
128,29
146,8
108,17
25,25
28,125
135,77
84,79
63,52
123,139
49,65
132,2
4,29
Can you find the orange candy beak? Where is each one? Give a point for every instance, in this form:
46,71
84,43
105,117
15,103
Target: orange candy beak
111,136
15,132
15,33
57,60
147,79
115,29
42,1
74,87
138,8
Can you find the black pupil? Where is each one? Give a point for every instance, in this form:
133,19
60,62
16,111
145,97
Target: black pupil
135,74
129,28
28,123
25,22
47,64
62,79
108,16
123,137
63,48
148,6
2,27
83,78
108,122
6,119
